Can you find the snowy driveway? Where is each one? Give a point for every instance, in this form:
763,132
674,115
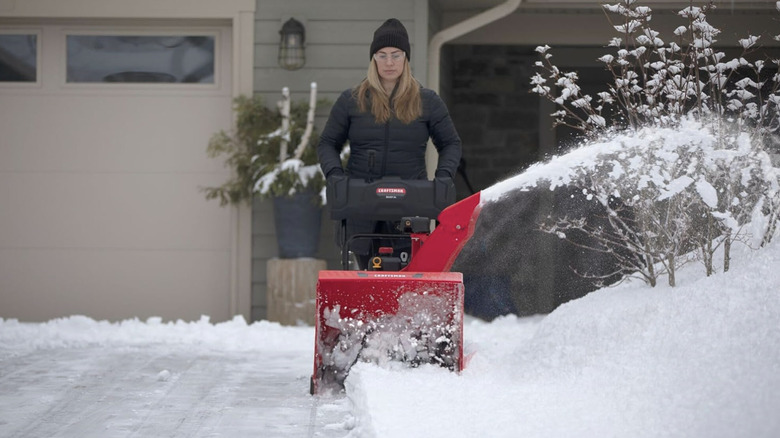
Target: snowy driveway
161,389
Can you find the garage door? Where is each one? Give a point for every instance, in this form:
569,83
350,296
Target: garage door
102,154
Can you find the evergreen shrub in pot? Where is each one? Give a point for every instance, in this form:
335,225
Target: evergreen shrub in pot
265,165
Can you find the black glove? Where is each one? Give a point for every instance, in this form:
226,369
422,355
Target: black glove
336,171
444,177
335,177
444,188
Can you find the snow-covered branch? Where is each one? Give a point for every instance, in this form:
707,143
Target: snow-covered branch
306,137
677,197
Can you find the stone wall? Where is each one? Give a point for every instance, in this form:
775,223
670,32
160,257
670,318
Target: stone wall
509,265
494,112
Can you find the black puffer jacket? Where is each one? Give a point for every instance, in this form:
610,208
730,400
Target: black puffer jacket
390,149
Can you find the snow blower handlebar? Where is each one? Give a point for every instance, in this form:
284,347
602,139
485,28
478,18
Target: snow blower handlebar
388,199
412,202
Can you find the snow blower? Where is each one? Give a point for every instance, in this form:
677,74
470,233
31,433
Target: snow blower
402,306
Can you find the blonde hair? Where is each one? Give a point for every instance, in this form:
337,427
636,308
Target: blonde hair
407,103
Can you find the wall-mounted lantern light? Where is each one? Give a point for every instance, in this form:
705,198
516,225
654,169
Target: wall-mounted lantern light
291,48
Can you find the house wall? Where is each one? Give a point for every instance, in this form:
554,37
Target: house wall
495,114
338,36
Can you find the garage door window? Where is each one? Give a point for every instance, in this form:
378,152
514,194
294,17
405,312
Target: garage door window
18,58
140,59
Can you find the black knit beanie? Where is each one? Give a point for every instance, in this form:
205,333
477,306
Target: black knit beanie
390,34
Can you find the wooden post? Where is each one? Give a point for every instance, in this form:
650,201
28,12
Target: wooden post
292,287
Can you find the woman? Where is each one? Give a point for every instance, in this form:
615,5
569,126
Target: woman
387,119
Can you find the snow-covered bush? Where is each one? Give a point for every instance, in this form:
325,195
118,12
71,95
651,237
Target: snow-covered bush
673,197
257,151
672,194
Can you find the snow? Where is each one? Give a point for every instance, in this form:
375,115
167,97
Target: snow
698,360
707,193
701,360
77,377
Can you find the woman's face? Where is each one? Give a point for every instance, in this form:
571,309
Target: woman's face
390,63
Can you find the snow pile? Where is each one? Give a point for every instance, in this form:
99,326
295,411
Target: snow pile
698,360
80,331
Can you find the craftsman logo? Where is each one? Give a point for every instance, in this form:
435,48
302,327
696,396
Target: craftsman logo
391,192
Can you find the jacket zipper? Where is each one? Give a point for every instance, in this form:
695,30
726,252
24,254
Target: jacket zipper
387,133
386,148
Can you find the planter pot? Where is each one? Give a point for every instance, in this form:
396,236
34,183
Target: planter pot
298,219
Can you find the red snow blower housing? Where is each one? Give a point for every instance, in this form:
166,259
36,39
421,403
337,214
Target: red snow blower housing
401,306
